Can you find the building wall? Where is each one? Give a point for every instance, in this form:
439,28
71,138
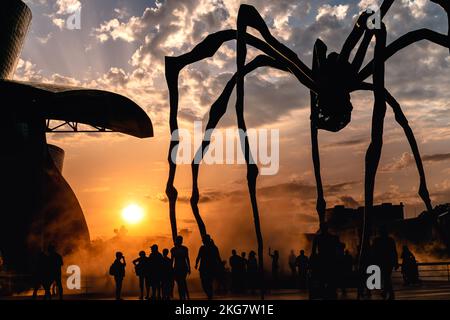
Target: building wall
15,19
38,205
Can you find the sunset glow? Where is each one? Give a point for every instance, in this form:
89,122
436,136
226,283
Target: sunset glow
120,48
133,214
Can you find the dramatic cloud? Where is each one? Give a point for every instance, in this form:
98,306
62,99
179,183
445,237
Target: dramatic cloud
339,11
407,160
121,48
67,6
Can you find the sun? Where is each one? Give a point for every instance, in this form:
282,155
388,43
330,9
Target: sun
133,213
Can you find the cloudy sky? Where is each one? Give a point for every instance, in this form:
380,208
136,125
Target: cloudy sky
121,47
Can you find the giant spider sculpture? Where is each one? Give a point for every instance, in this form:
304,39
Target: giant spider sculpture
330,81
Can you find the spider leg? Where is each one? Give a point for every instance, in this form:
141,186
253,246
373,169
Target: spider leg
354,36
244,17
412,37
207,48
401,119
319,55
248,16
321,204
217,111
374,151
358,31
403,122
358,60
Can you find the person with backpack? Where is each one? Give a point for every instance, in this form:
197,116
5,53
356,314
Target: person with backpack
117,270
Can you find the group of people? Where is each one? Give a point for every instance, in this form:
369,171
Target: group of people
158,272
328,268
47,273
244,271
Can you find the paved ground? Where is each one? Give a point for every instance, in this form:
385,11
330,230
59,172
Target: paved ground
425,291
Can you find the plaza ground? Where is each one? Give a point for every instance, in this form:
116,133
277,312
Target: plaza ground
432,290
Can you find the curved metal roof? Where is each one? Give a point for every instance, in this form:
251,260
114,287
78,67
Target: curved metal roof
93,107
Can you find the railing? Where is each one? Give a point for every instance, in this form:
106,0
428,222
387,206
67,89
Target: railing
431,271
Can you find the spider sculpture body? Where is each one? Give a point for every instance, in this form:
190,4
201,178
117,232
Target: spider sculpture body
331,80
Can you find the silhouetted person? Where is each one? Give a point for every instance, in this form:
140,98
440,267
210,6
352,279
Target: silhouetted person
181,267
167,276
325,246
314,282
385,256
275,267
117,270
244,261
41,275
410,270
364,262
244,265
141,268
207,262
302,265
55,263
222,275
292,266
235,264
341,281
348,268
252,271
155,270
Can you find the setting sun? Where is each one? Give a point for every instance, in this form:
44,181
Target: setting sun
133,214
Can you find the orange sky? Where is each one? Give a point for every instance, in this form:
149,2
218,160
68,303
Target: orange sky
121,47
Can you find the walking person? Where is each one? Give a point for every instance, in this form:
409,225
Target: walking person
181,267
117,270
324,250
55,263
385,255
41,275
208,262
